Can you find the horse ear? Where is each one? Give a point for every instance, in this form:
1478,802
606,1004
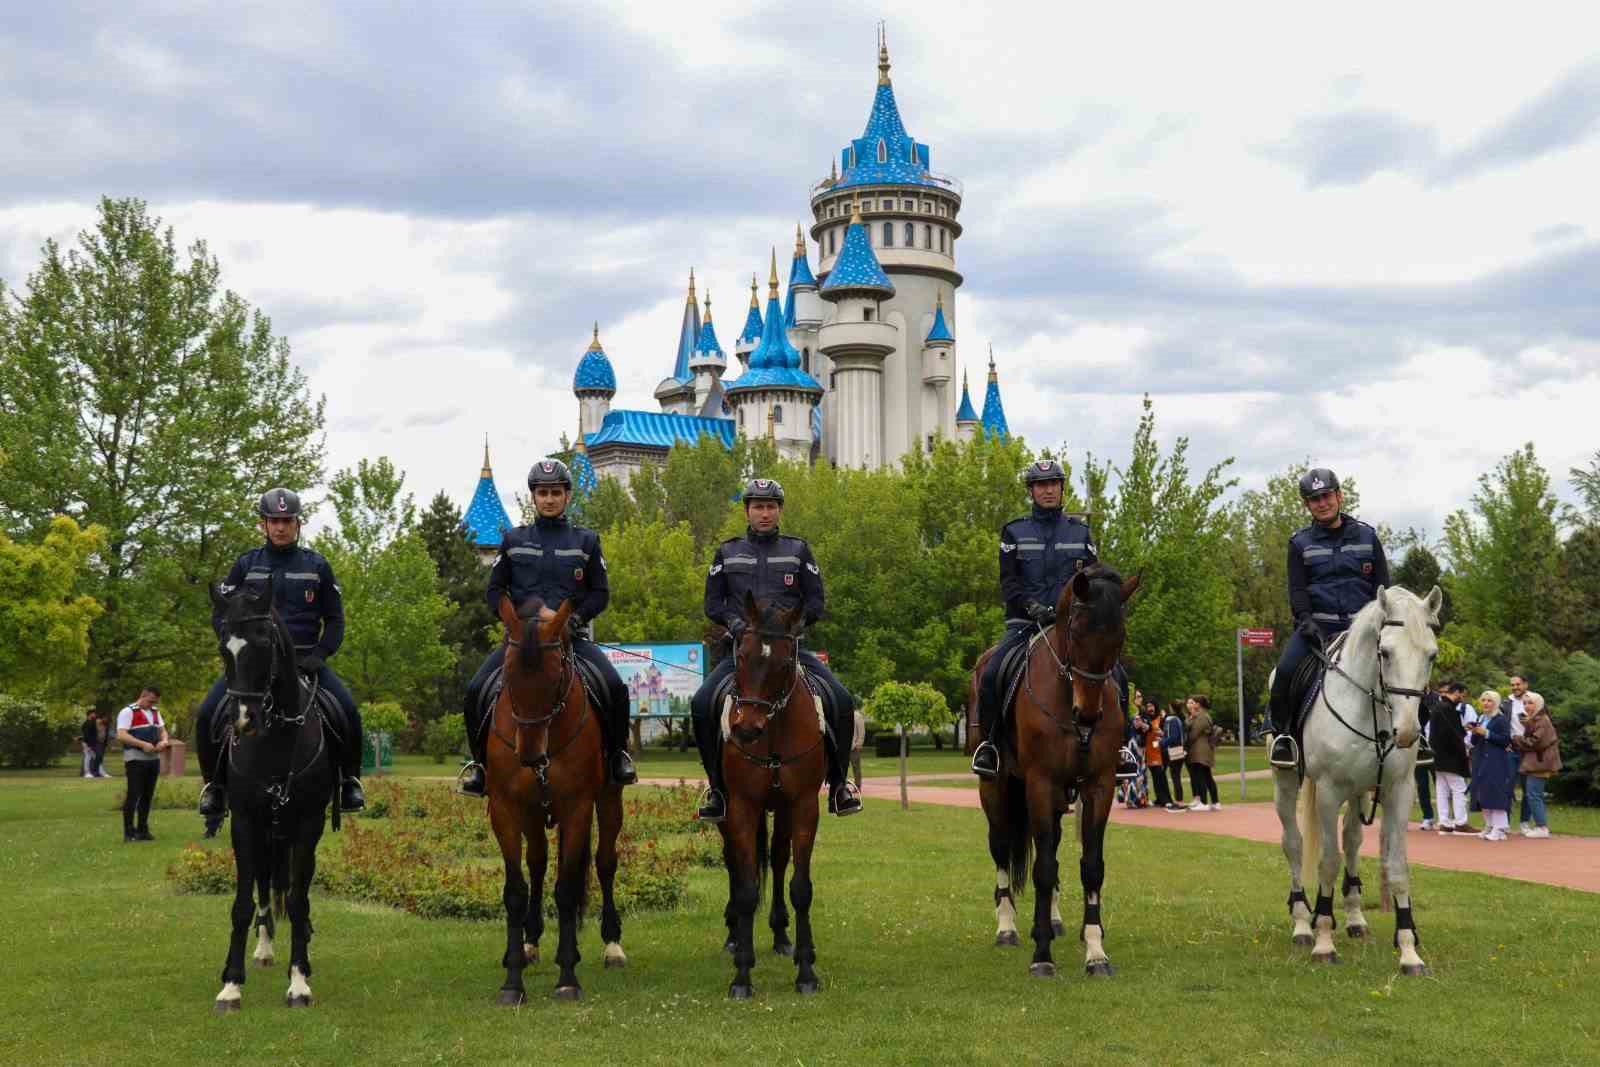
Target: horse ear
1383,598
509,619
1434,602
558,625
1129,587
1080,586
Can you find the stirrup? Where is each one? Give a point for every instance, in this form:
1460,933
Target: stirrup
1290,758
713,806
209,791
622,769
351,796
987,769
844,800
1424,752
479,780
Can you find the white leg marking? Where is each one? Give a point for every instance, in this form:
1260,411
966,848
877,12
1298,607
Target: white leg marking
1408,950
615,957
1005,914
1094,944
1323,949
263,953
1055,907
298,986
1302,923
230,992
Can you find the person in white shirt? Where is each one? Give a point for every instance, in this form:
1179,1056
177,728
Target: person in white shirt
144,737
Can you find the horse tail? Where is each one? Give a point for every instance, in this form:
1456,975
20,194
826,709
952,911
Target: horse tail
763,857
1017,838
1310,833
279,854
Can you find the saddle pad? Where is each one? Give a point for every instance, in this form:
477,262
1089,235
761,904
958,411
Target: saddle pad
1011,670
1308,680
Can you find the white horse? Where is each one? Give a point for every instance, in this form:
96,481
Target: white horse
1360,736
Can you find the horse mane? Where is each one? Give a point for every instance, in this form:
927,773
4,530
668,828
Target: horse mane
1104,602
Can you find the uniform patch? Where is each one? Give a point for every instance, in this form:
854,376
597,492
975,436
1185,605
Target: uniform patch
716,568
1366,569
1007,548
577,574
788,579
311,595
812,567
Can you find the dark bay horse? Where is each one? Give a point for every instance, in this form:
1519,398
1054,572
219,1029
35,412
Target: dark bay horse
545,768
772,760
1060,743
280,783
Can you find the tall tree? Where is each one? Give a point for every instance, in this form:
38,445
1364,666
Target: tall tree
44,617
138,395
461,578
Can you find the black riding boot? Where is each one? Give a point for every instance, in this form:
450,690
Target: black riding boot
714,807
986,757
351,796
843,797
620,764
214,792
1284,752
472,781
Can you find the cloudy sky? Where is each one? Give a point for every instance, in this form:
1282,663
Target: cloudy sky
1367,236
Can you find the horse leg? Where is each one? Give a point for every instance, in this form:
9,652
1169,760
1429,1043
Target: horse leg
1286,796
266,925
746,890
1057,925
610,816
778,919
805,817
302,867
1096,811
249,854
730,915
572,883
538,859
1396,808
507,827
1355,924
1046,871
1328,804
1005,907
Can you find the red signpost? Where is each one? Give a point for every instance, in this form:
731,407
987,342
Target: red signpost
1254,638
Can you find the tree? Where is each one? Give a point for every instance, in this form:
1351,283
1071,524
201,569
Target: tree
1419,572
44,619
394,612
138,395
907,707
657,584
1586,480
461,579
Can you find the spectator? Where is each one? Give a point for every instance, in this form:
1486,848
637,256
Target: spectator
1148,726
90,738
102,732
858,737
1447,734
1495,772
144,738
1514,712
1541,758
1421,773
1173,751
1202,753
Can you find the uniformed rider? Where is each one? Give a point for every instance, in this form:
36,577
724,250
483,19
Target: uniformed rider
1336,566
307,599
1039,554
781,570
554,559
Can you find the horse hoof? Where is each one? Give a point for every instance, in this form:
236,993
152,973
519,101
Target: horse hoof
567,992
1329,958
1356,932
1099,969
615,963
784,949
1057,929
224,1007
1416,970
264,962
530,953
740,992
1042,970
511,998
1304,939
301,1001
807,988
1007,938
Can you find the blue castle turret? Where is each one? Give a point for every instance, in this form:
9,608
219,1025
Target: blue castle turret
967,420
994,414
774,397
486,520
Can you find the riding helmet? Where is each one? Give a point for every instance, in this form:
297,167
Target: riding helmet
279,504
549,472
762,489
1045,470
1318,480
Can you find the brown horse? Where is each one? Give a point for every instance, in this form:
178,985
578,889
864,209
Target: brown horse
1061,743
545,768
772,760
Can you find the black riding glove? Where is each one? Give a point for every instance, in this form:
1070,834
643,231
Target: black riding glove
575,626
1042,614
310,663
736,627
1308,629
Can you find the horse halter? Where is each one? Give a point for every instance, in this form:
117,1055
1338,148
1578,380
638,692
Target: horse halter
773,707
266,697
563,686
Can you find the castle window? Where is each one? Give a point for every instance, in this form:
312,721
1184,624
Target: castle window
852,155
866,314
941,210
833,380
883,151
941,240
908,205
887,205
832,211
777,414
927,207
927,237
911,236
930,442
888,235
833,245
805,360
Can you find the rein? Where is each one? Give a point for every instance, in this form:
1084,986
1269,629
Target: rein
773,761
269,705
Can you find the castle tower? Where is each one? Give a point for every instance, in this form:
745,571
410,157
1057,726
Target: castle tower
994,415
774,396
707,365
485,520
967,420
936,350
594,383
909,215
676,394
750,336
858,342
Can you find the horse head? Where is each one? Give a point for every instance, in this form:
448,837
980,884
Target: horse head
1407,647
766,667
257,652
1089,634
539,669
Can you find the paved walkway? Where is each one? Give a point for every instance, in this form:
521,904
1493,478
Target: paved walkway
1563,860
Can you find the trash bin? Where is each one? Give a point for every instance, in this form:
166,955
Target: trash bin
172,758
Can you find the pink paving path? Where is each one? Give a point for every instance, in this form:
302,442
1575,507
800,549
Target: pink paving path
1563,860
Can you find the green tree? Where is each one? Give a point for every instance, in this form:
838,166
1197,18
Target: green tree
394,612
609,506
44,619
461,579
1586,480
907,707
1419,572
138,395
657,584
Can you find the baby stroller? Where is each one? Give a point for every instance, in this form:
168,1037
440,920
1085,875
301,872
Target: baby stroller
1135,792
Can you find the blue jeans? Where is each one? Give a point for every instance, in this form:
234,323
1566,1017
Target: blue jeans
1533,801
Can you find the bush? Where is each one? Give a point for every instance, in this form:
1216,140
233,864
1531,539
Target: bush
409,740
445,737
383,716
33,735
203,870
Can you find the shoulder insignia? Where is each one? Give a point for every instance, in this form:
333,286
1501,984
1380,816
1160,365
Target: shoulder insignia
716,568
812,567
1007,546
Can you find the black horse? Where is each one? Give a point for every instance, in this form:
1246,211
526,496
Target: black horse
280,784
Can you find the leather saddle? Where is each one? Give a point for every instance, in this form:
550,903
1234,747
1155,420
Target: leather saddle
1011,670
1307,681
327,708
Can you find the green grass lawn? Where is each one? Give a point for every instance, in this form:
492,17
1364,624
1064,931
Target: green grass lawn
101,958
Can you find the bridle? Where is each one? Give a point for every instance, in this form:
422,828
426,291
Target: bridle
1066,670
564,686
773,761
271,715
540,763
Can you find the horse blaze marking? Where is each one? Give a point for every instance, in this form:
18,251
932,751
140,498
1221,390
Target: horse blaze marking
235,643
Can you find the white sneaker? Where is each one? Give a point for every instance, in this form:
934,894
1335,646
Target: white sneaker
1427,824
1216,807
1496,835
1195,805
1539,832
1485,834
1524,828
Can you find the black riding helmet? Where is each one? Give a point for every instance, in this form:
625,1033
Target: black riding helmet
1318,480
762,489
279,504
1045,470
549,472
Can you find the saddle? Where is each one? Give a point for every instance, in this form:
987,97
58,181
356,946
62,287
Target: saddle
593,686
1012,668
1306,684
722,696
321,701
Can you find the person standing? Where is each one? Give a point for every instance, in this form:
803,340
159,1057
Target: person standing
1202,754
144,738
1496,770
1447,734
1173,751
102,738
1514,710
1541,759
1422,771
1148,726
89,736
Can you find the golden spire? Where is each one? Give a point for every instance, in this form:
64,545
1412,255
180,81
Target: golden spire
772,279
486,472
691,285
594,345
855,211
833,171
708,303
753,301
799,242
883,56
993,377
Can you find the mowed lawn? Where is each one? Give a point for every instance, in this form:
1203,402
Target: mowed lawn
101,960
